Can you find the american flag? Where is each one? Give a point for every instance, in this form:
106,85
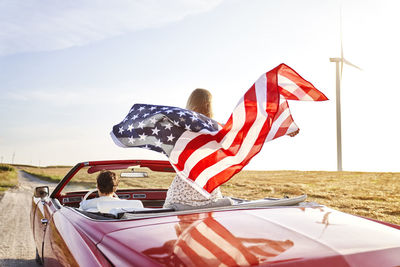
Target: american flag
205,153
206,242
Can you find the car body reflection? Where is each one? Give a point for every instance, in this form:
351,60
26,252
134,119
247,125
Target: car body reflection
206,242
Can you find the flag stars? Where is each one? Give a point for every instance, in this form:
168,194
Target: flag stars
168,126
153,120
170,138
159,127
147,147
155,131
194,118
142,136
131,140
158,143
141,124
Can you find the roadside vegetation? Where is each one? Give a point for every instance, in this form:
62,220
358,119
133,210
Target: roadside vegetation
8,178
371,194
51,174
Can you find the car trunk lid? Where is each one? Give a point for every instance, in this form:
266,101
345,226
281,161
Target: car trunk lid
274,236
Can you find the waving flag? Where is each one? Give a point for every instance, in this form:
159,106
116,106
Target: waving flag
206,154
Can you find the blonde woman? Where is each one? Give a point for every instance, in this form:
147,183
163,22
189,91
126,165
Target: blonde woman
181,195
200,100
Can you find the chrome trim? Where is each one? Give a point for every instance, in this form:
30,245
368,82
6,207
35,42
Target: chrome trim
124,196
72,199
139,195
56,203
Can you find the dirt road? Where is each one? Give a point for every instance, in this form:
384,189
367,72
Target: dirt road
16,242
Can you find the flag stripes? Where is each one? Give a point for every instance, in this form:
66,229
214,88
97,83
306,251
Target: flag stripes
283,122
262,115
247,123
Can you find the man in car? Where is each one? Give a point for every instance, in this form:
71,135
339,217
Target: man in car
107,183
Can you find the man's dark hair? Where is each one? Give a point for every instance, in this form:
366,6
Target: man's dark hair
107,182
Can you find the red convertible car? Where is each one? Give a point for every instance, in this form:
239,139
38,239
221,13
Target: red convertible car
136,231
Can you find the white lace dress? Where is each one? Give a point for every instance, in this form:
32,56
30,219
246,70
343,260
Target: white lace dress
182,192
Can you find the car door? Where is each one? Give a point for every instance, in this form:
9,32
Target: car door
42,216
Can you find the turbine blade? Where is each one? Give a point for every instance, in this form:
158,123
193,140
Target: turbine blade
350,64
341,42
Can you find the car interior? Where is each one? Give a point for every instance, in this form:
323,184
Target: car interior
141,202
136,200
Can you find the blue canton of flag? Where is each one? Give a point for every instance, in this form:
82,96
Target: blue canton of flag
158,127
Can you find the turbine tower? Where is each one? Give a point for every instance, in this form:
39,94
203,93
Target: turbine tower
339,71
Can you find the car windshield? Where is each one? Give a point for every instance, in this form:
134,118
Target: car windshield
130,177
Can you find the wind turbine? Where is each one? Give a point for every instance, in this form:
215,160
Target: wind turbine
339,71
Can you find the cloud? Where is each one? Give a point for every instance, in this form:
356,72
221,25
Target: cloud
43,25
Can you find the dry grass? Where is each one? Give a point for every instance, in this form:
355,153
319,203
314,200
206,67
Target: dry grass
51,174
374,195
8,178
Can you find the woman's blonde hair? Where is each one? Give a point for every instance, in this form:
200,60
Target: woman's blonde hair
200,101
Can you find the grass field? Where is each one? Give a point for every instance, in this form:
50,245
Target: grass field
8,178
51,174
374,195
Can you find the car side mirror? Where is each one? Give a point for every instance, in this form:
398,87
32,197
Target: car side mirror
41,191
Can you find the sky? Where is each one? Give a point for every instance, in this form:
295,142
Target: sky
70,70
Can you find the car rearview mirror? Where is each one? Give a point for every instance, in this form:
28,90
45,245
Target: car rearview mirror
41,191
134,174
